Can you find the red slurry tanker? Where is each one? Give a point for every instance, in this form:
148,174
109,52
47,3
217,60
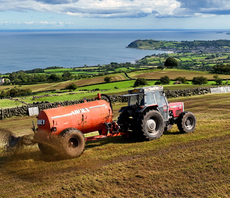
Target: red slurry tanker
147,116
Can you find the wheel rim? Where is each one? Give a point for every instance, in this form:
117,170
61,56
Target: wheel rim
189,123
73,143
151,126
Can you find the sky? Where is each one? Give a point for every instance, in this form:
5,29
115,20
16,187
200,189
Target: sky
114,14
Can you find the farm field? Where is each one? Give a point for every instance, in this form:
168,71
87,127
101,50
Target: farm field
176,165
89,87
62,85
148,74
110,89
173,73
198,55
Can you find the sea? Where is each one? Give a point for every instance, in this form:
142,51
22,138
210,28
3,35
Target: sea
30,49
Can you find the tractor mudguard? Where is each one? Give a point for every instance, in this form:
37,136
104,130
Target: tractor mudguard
146,108
122,109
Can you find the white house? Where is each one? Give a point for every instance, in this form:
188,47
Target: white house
2,81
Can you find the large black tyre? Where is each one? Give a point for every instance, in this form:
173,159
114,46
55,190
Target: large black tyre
186,122
123,121
151,125
72,143
46,150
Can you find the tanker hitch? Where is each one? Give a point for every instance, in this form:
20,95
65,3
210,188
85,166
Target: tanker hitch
113,130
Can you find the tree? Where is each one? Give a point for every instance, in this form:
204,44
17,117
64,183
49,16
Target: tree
15,92
54,78
66,75
139,82
72,86
107,79
199,80
164,80
218,80
181,79
171,62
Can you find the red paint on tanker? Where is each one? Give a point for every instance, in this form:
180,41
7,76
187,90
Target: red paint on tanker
86,117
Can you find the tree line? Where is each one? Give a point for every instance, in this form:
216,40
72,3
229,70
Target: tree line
23,78
15,92
221,69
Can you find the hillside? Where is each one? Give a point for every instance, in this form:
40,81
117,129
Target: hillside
176,165
89,87
182,46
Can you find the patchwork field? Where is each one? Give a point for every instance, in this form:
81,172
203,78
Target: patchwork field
174,73
176,165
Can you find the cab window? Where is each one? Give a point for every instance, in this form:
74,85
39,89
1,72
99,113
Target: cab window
150,98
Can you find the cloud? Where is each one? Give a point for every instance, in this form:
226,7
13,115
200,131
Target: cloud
95,8
121,8
216,7
45,24
57,1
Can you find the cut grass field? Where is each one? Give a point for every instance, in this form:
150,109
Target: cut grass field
176,165
173,73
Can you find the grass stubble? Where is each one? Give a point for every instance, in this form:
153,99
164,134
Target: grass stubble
176,165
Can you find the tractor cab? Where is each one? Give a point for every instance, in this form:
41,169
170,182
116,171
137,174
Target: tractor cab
143,99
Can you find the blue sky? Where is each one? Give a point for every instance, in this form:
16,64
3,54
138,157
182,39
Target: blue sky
114,14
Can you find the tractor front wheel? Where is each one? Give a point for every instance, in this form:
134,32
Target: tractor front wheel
152,125
186,122
73,143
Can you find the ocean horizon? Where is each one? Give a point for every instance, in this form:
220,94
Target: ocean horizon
30,49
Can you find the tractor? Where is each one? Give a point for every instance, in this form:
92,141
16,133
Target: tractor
149,114
61,130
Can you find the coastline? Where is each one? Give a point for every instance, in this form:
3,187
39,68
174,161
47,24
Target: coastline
77,48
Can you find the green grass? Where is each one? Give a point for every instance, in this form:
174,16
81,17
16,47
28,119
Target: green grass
186,59
58,70
6,103
121,69
111,85
198,57
84,72
153,62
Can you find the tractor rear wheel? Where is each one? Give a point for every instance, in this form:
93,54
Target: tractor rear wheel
151,125
186,122
123,121
73,143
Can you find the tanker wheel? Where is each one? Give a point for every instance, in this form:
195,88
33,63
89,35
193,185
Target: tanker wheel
46,150
152,125
73,143
186,122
